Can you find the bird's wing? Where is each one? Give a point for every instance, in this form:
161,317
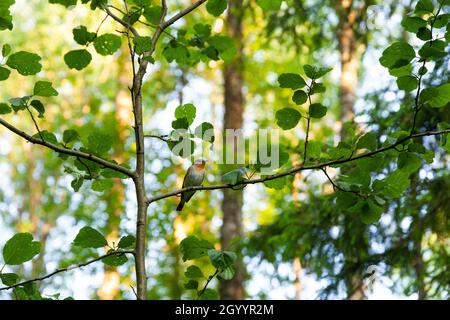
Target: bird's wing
188,172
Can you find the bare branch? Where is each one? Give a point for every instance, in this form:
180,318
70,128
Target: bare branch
66,269
70,152
182,13
301,167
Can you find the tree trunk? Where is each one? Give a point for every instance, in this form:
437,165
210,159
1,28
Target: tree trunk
233,119
349,45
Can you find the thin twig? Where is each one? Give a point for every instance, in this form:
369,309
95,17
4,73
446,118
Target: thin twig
66,269
164,138
301,167
125,24
207,283
35,124
305,152
337,187
70,152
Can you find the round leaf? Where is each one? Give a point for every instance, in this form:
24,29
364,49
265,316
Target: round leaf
317,110
287,118
78,59
107,44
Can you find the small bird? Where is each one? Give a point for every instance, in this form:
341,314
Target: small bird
194,177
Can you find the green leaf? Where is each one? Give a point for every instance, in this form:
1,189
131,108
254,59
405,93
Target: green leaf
194,248
202,30
19,103
368,141
82,36
153,14
314,72
407,83
142,3
191,285
209,294
434,50
193,272
396,184
66,3
424,6
318,88
216,7
115,260
44,89
127,242
39,107
97,3
77,183
5,15
176,51
299,97
88,237
409,162
291,80
235,176
371,212
317,110
180,124
287,118
183,147
413,24
276,184
221,259
107,44
269,5
6,50
442,96
110,173
77,59
397,55
4,73
9,279
20,248
186,111
99,143
142,44
205,131
441,21
101,185
70,136
25,63
227,273
48,136
424,34
4,108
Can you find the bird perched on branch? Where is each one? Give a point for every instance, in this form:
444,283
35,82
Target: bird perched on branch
194,177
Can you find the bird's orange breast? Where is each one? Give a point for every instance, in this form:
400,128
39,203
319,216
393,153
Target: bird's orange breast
199,167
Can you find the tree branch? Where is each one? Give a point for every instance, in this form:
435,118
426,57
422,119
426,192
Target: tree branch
301,167
65,269
182,13
199,294
123,23
70,152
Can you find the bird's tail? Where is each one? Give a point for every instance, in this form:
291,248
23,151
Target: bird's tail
180,205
